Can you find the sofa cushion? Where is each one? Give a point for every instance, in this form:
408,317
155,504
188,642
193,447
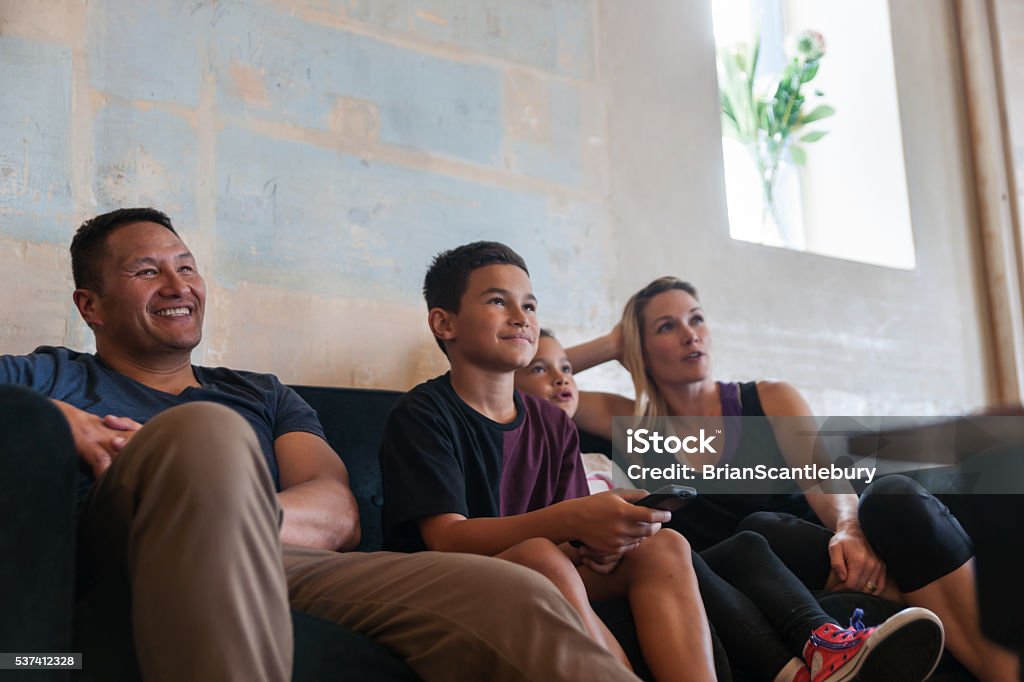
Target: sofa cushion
353,421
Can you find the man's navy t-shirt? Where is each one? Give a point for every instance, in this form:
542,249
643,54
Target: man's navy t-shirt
82,380
440,456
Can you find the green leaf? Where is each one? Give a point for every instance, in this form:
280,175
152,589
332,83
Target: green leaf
810,71
814,136
729,127
767,120
819,112
798,155
735,95
755,53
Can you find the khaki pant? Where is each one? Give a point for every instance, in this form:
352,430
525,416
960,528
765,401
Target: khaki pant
187,519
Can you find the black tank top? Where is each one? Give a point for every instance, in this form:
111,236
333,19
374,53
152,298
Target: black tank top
713,517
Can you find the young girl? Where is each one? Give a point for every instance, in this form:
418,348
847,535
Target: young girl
549,376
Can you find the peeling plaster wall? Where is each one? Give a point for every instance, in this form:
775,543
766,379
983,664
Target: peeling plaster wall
316,153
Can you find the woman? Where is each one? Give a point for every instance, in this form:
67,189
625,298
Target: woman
830,540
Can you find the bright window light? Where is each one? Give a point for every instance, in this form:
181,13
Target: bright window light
849,199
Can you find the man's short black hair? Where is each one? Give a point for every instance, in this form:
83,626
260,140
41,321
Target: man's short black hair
91,238
448,273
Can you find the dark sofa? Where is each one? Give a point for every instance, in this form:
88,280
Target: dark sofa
353,420
37,587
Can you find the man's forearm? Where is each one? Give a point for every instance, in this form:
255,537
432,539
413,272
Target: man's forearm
320,513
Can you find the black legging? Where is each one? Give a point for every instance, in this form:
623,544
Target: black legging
760,610
909,528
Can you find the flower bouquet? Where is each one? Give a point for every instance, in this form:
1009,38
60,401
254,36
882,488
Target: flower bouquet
767,118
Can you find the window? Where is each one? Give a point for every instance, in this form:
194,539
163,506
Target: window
849,198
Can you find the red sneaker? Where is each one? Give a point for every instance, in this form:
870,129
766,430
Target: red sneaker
906,647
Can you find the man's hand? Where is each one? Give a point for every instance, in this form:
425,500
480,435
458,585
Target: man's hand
608,524
121,424
97,440
854,563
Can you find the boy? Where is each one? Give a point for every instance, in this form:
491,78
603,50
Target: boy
470,465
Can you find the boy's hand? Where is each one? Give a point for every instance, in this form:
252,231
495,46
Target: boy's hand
608,524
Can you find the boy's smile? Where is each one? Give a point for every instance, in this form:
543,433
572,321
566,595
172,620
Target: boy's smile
496,326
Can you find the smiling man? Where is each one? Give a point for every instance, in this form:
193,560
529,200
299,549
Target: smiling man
213,501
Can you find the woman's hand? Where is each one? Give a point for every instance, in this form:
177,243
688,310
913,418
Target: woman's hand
614,340
854,562
596,351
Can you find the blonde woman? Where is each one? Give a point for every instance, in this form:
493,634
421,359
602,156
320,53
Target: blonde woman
905,547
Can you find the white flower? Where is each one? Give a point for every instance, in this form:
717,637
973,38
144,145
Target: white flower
806,45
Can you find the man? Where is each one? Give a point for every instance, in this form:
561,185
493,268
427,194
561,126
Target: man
218,503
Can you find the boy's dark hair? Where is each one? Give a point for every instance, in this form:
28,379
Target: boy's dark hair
91,238
448,274
546,334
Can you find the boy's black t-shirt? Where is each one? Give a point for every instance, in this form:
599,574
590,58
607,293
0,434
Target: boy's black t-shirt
440,456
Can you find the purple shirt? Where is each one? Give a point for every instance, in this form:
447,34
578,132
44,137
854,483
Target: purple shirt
541,462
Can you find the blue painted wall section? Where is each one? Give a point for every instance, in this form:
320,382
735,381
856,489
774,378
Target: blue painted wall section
312,150
428,103
35,190
308,218
553,35
150,50
145,158
558,158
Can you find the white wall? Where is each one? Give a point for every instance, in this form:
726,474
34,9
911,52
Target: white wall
857,339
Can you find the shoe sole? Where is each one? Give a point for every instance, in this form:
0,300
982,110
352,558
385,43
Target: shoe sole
906,647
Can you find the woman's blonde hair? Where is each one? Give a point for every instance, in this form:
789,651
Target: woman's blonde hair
649,400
